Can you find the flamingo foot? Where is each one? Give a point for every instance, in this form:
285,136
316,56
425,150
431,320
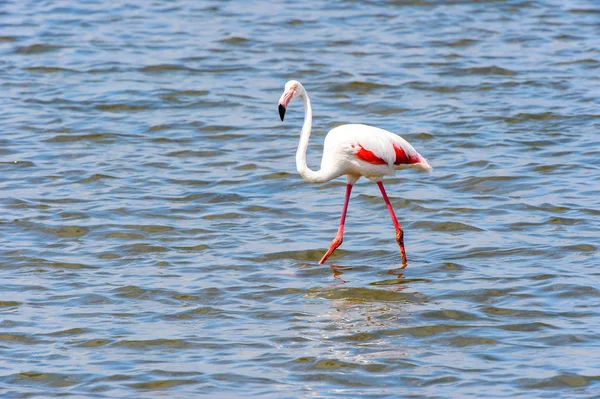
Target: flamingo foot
400,240
337,241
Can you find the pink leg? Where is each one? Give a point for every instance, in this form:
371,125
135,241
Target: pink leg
399,232
337,241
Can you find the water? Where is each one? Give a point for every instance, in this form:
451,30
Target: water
157,241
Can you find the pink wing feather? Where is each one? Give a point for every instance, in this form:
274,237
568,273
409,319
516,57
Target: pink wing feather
378,146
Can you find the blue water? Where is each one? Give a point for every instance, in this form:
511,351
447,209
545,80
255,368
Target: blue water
156,240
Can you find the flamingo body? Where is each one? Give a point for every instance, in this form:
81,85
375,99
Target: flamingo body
363,150
353,150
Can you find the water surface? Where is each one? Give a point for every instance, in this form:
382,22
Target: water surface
157,241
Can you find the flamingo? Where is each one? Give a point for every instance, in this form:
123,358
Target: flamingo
353,150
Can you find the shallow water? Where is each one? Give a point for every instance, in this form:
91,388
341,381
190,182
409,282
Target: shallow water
157,240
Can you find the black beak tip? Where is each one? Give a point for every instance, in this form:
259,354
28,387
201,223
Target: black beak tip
281,111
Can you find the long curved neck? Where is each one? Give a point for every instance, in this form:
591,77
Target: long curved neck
308,174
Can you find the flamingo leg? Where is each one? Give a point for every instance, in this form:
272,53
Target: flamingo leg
337,241
399,231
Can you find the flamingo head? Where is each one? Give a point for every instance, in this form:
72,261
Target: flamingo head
293,89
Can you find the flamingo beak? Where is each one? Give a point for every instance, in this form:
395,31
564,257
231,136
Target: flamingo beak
284,100
281,111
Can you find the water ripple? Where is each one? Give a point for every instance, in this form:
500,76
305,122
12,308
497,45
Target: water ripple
157,239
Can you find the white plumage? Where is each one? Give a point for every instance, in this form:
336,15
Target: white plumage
345,144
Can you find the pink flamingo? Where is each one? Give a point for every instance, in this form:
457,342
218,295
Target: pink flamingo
353,150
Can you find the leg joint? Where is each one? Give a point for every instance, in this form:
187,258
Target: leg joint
337,241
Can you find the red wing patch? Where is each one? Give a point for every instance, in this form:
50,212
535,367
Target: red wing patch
402,158
368,156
